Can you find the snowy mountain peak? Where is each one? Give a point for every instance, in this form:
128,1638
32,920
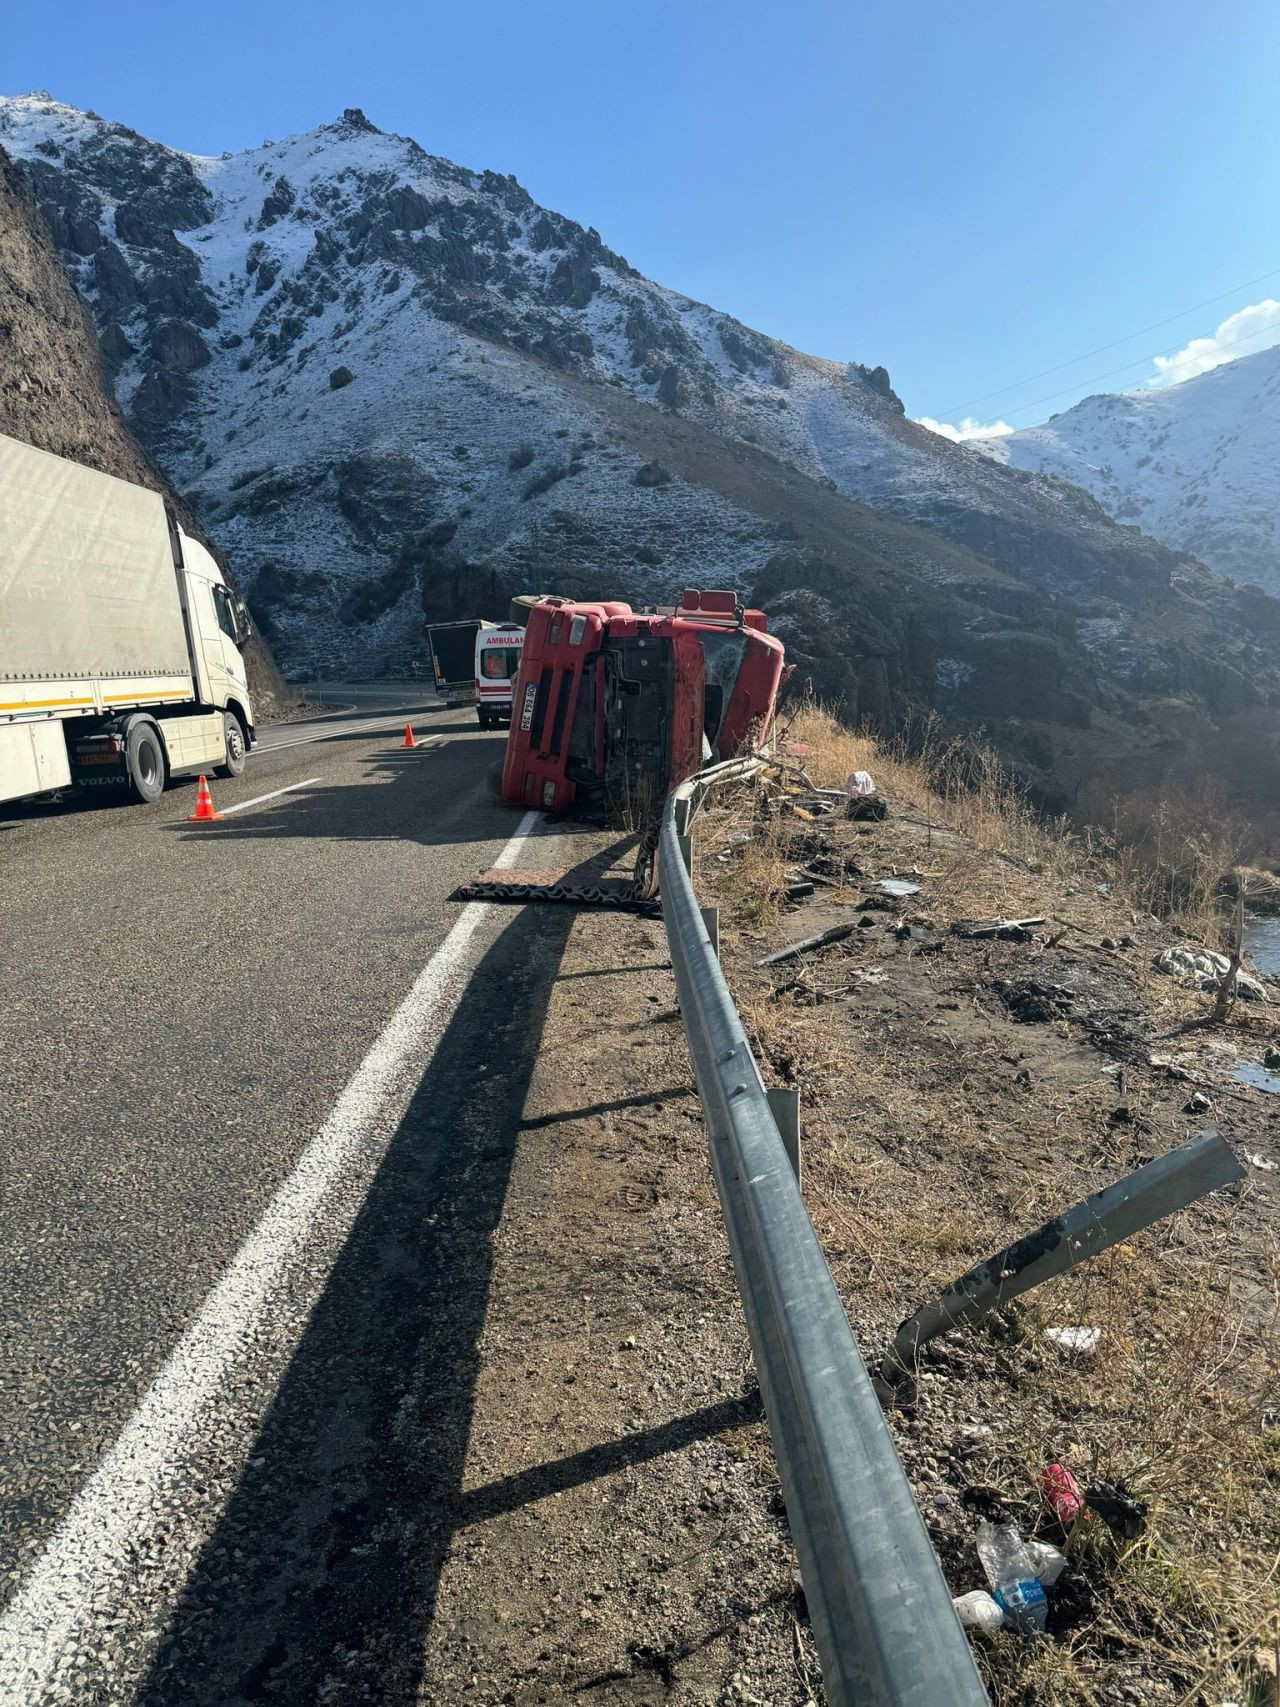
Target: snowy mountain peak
1193,464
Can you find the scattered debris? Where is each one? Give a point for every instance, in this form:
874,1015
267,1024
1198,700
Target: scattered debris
797,890
837,933
1079,1341
866,808
1249,1073
1050,1561
898,886
1010,930
1123,1514
1011,1570
1271,1059
861,784
1033,1002
1256,1159
977,1611
1197,1103
1062,1493
1206,968
1169,1067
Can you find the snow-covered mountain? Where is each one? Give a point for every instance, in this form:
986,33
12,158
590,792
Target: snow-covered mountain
388,384
1196,465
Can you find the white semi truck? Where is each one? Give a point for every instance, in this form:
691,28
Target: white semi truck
121,657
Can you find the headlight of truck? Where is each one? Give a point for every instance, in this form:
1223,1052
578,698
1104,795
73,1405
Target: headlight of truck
548,794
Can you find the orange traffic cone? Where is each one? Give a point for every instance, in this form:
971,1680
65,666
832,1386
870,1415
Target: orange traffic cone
204,812
408,736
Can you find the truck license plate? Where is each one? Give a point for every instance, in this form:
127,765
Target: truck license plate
526,710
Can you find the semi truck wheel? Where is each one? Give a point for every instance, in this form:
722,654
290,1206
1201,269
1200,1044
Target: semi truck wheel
144,760
237,751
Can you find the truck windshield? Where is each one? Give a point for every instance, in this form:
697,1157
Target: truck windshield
723,652
500,663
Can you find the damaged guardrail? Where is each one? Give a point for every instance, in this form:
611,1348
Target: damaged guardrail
1168,1183
881,1610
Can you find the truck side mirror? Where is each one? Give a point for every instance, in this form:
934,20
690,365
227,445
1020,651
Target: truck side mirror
244,623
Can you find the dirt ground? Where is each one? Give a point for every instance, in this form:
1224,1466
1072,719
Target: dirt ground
621,1538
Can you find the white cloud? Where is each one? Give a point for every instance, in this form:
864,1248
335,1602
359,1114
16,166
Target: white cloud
1241,334
968,428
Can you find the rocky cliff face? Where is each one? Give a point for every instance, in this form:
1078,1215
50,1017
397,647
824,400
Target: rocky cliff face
390,385
1193,465
52,392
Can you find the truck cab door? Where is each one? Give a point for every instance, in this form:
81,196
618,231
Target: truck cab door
230,631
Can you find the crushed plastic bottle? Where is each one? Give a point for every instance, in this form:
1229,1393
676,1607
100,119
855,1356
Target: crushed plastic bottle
1050,1562
1012,1570
977,1611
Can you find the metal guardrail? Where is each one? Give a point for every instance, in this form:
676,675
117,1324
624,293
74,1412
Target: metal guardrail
881,1610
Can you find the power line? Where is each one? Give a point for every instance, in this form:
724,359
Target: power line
1103,348
1140,362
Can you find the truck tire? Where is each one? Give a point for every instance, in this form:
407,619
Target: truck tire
237,751
144,760
482,716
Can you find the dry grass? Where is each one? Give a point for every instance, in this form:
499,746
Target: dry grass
921,1160
900,1169
1172,857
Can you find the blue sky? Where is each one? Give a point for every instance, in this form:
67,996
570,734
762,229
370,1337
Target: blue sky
970,194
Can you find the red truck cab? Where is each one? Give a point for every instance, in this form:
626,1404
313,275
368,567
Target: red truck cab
617,706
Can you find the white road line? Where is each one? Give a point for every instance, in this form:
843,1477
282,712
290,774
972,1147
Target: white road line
244,805
83,1577
371,726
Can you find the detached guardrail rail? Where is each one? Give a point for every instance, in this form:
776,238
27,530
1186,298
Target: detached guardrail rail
882,1615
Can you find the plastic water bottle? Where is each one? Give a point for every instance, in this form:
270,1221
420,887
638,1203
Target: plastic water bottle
1012,1572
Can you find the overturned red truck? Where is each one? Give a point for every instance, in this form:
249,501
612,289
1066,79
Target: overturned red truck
614,707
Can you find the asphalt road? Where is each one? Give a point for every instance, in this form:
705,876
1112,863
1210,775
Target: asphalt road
213,1055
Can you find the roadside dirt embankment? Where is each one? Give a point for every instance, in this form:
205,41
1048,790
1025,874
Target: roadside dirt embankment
956,1092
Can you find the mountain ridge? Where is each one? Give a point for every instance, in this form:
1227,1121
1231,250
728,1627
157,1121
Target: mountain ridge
391,385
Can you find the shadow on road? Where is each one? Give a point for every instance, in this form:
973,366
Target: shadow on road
333,1542
423,794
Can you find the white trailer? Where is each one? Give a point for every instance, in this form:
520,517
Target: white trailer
121,657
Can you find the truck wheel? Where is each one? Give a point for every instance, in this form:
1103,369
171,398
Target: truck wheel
145,762
237,752
482,716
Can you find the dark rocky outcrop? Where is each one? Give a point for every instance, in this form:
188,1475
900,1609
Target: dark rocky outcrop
51,382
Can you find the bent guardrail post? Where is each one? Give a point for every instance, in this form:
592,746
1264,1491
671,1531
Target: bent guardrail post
882,1616
1169,1183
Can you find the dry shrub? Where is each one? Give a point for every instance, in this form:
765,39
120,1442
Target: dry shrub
1171,850
961,785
